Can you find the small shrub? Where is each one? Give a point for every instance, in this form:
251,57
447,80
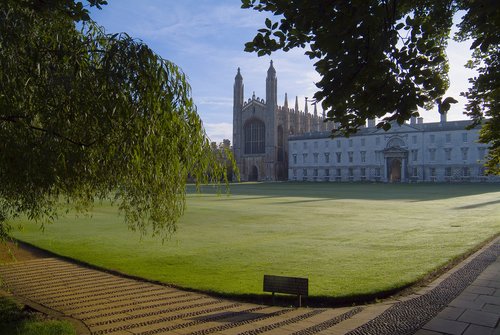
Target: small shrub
46,327
14,320
10,311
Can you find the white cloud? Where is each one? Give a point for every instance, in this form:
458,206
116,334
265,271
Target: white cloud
216,101
219,131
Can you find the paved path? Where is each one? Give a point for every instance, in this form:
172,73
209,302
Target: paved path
108,304
475,311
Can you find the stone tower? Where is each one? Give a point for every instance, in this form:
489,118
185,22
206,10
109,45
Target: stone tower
237,107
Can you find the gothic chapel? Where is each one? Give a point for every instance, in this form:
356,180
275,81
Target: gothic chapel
261,129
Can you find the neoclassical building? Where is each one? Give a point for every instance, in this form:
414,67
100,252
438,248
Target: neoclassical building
272,142
416,152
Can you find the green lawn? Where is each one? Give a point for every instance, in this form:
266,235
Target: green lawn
349,239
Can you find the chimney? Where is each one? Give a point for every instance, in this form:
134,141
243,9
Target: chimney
413,120
371,123
443,118
420,120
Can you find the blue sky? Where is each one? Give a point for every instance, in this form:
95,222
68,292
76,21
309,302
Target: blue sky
206,39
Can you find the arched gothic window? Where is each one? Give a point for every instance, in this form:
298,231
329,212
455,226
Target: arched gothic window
255,137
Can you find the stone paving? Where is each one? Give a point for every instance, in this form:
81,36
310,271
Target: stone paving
476,311
464,301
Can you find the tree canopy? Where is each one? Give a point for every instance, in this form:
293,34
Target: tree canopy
387,58
85,114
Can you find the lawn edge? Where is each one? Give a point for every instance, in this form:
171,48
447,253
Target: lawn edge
311,301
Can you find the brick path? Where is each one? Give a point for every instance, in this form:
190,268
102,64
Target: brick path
110,304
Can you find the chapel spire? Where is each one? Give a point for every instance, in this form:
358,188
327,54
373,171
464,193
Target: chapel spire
271,72
238,76
238,91
271,87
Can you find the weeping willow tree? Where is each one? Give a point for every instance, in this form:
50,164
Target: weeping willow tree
85,115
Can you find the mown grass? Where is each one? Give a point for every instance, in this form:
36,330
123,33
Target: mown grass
14,320
350,240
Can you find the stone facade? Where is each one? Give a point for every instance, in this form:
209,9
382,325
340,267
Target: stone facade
272,142
261,130
416,152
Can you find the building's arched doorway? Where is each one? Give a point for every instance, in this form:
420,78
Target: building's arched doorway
395,171
254,174
396,158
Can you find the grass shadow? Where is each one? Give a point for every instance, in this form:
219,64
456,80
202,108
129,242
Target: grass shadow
359,191
482,204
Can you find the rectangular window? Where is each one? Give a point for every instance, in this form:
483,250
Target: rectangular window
327,157
481,152
466,172
339,173
464,137
326,144
315,144
304,172
447,154
465,155
327,172
294,158
414,155
315,172
339,157
295,172
351,172
351,156
363,172
432,154
305,145
363,142
414,139
432,138
415,172
304,158
433,172
448,138
315,158
363,156
377,172
447,172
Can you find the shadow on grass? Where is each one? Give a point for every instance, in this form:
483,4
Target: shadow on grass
482,204
361,191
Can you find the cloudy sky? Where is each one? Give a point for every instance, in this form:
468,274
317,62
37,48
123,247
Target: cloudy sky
206,39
